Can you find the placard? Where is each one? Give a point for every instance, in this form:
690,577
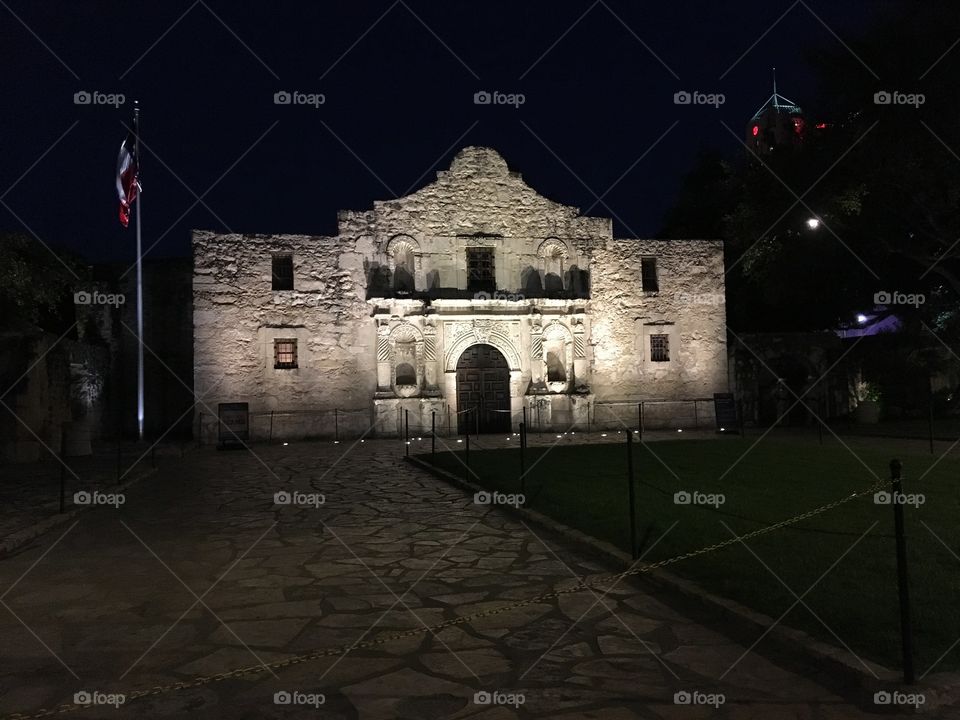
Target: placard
234,424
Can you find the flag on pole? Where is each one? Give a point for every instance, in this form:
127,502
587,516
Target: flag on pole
128,169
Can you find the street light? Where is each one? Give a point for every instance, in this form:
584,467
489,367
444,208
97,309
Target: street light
813,223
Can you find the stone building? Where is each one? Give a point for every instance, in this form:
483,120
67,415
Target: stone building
472,298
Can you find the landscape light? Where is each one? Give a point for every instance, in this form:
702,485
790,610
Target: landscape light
603,434
679,429
285,444
813,223
861,318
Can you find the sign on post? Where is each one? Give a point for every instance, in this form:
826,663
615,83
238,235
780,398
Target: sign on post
233,424
725,412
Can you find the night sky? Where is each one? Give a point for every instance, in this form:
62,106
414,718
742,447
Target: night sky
399,81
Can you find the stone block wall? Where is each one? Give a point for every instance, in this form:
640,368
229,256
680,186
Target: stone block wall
689,307
237,316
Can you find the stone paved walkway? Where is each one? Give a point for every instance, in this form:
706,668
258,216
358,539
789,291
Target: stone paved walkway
201,572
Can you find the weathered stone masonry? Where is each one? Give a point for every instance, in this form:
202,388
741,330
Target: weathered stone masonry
383,312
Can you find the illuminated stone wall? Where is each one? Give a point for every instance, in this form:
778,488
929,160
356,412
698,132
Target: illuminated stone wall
382,312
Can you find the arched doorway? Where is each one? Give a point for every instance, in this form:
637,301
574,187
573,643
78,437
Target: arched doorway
483,385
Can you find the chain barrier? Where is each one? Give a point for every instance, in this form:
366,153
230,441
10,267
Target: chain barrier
597,584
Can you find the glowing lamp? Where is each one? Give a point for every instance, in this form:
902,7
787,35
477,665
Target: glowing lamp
813,223
755,130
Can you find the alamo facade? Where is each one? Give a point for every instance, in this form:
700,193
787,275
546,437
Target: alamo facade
464,302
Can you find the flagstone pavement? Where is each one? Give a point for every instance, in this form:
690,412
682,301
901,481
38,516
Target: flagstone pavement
200,572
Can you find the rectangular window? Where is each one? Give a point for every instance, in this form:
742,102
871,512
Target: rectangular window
648,274
660,348
481,274
283,272
284,354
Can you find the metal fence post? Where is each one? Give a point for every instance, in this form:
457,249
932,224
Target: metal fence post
633,499
406,432
433,433
63,468
906,630
820,423
476,415
199,431
466,457
523,464
336,424
270,436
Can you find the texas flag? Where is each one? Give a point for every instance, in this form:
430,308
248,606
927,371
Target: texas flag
128,168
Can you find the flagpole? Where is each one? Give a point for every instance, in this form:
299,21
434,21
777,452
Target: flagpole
136,126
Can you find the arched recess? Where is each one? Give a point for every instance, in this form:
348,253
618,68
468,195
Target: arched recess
557,356
495,338
405,343
554,260
404,260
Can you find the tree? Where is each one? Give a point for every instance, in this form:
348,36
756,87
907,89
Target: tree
883,178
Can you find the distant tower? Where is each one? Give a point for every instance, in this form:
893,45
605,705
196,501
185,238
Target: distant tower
777,124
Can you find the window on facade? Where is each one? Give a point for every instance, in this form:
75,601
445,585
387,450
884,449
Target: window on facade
555,370
283,272
406,374
481,274
660,348
284,354
648,274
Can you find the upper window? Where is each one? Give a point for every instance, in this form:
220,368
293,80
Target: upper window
481,274
283,272
284,354
660,348
648,274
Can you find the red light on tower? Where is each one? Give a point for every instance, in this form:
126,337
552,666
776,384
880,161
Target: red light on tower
755,130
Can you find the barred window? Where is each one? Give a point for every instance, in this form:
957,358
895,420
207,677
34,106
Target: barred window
660,348
284,354
282,272
481,274
648,274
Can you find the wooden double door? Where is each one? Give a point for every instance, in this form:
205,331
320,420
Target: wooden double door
483,387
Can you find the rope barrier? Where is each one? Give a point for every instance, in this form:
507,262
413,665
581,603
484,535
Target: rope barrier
598,584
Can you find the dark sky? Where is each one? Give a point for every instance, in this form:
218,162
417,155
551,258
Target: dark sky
399,81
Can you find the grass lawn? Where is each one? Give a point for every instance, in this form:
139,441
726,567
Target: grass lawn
585,486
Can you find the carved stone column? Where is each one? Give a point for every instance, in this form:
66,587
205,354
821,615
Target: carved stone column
383,358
